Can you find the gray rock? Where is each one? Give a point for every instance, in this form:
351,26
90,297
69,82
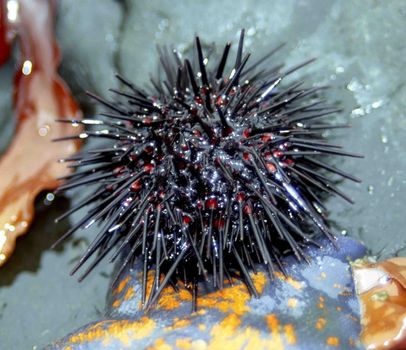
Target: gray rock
316,307
88,35
7,121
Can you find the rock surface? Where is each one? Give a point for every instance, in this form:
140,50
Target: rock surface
315,308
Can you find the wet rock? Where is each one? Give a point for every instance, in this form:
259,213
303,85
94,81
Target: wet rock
314,308
6,115
88,35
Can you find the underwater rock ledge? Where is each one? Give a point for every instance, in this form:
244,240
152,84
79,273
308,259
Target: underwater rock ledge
316,306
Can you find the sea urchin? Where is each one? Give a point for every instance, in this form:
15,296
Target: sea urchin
206,174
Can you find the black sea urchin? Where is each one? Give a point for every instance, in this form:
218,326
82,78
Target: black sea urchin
207,173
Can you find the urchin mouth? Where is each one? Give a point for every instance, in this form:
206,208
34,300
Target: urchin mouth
208,174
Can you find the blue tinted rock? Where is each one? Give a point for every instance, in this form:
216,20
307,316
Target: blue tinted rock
314,307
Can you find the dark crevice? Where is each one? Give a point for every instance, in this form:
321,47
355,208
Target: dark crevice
38,239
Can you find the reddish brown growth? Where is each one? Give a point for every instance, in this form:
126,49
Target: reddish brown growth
4,34
381,288
40,96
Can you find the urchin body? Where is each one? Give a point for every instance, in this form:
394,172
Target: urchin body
207,173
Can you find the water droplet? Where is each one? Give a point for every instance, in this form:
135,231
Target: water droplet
390,181
12,10
339,69
49,198
354,86
163,24
358,112
27,67
251,31
43,130
3,239
377,104
109,38
344,232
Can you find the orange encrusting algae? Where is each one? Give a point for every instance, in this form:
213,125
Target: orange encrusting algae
170,299
292,302
321,323
274,327
184,343
233,298
295,284
178,323
290,334
124,331
160,344
333,341
321,302
202,326
226,334
30,165
381,288
117,303
123,283
230,332
229,335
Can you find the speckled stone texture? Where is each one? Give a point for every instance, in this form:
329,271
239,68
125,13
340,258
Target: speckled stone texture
315,308
361,54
